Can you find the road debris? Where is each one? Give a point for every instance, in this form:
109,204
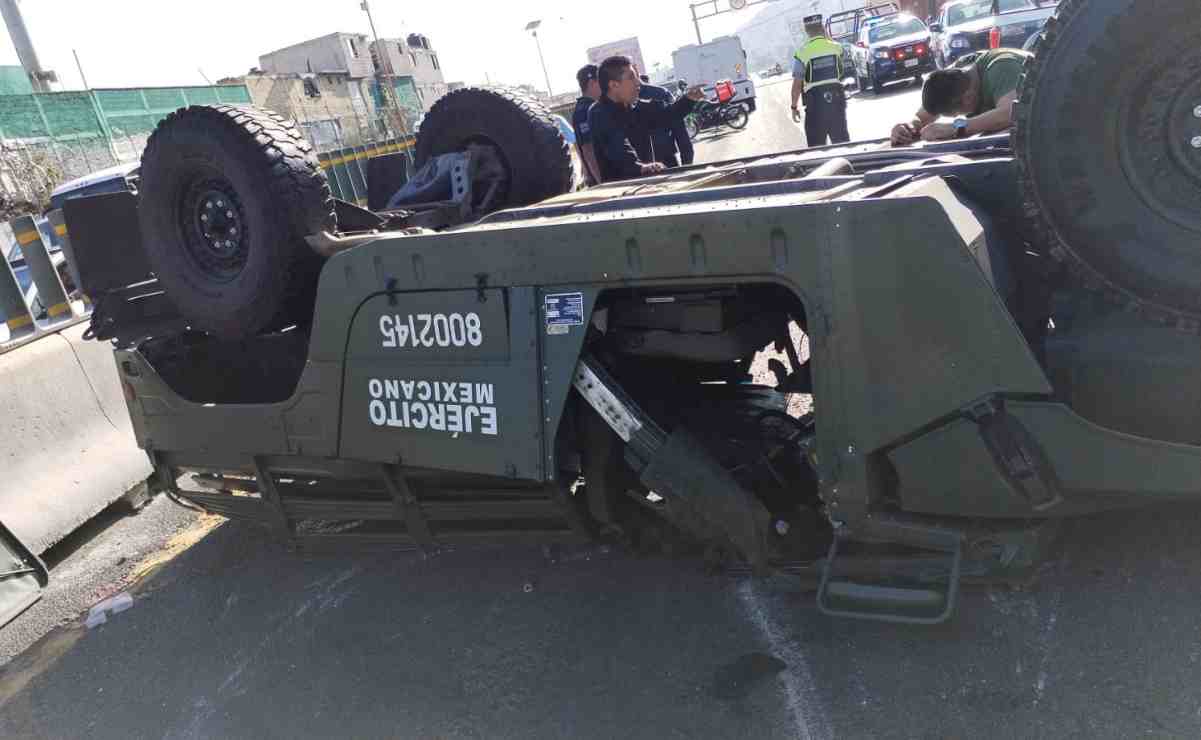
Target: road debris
114,605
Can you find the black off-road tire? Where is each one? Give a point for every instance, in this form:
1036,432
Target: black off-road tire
532,149
272,193
1108,141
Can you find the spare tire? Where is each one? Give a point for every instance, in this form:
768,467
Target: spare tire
227,195
1108,141
534,155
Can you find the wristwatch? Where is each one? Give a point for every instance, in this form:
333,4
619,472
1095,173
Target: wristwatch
960,125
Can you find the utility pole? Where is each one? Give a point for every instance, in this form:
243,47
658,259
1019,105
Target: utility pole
386,93
714,10
81,74
532,27
28,56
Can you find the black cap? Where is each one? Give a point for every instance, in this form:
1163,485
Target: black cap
813,20
586,74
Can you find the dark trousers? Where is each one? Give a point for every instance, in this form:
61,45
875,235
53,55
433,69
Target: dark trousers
826,116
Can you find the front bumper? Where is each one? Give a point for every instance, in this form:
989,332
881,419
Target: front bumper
953,54
888,70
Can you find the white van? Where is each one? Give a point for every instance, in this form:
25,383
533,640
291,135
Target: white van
722,58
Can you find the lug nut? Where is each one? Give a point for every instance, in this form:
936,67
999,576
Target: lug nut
782,528
208,204
1197,142
204,217
233,232
1197,112
229,214
220,204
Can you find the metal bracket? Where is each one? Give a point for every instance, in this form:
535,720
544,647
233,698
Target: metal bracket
1017,454
407,506
274,503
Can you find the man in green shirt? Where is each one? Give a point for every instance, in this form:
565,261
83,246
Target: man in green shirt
980,92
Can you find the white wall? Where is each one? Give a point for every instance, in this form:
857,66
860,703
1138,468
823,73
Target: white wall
331,53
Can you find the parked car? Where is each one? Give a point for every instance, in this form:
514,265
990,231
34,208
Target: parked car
844,27
892,48
969,26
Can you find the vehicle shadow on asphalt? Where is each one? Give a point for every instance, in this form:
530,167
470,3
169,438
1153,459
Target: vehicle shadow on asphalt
717,135
888,91
238,637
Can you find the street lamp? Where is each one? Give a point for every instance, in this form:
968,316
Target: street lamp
532,27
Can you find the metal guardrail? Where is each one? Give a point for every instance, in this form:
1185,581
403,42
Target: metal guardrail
43,304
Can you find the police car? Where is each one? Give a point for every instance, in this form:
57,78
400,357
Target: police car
892,48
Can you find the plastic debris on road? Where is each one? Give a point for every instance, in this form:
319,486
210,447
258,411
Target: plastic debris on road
114,605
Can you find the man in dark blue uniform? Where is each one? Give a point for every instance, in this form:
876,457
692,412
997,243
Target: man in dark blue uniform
589,92
666,141
620,123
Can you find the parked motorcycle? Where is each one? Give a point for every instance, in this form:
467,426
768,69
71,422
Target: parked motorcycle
712,115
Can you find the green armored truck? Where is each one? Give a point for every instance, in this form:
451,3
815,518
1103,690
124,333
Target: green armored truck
891,370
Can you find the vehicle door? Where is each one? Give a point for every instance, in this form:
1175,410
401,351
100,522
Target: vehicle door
448,380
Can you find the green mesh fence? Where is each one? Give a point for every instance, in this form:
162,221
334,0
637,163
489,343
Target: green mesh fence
14,81
47,139
135,111
99,113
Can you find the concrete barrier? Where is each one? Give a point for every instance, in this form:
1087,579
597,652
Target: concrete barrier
67,450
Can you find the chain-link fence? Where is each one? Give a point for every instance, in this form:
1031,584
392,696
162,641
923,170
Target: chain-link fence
346,140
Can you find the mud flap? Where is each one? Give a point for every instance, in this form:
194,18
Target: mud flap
698,495
704,498
22,577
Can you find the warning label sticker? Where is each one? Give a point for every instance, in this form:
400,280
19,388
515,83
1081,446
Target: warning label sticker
563,311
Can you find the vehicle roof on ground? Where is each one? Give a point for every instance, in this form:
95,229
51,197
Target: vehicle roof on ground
108,173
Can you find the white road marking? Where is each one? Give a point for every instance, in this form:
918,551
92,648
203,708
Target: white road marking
1046,635
804,703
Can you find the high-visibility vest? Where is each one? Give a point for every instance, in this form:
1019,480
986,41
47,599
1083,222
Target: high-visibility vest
822,59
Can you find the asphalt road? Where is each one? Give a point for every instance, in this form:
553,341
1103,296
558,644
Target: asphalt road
771,128
235,637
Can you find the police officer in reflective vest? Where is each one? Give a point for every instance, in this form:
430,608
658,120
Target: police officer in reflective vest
817,73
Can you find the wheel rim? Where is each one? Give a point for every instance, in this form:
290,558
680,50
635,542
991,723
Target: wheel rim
213,225
1160,142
